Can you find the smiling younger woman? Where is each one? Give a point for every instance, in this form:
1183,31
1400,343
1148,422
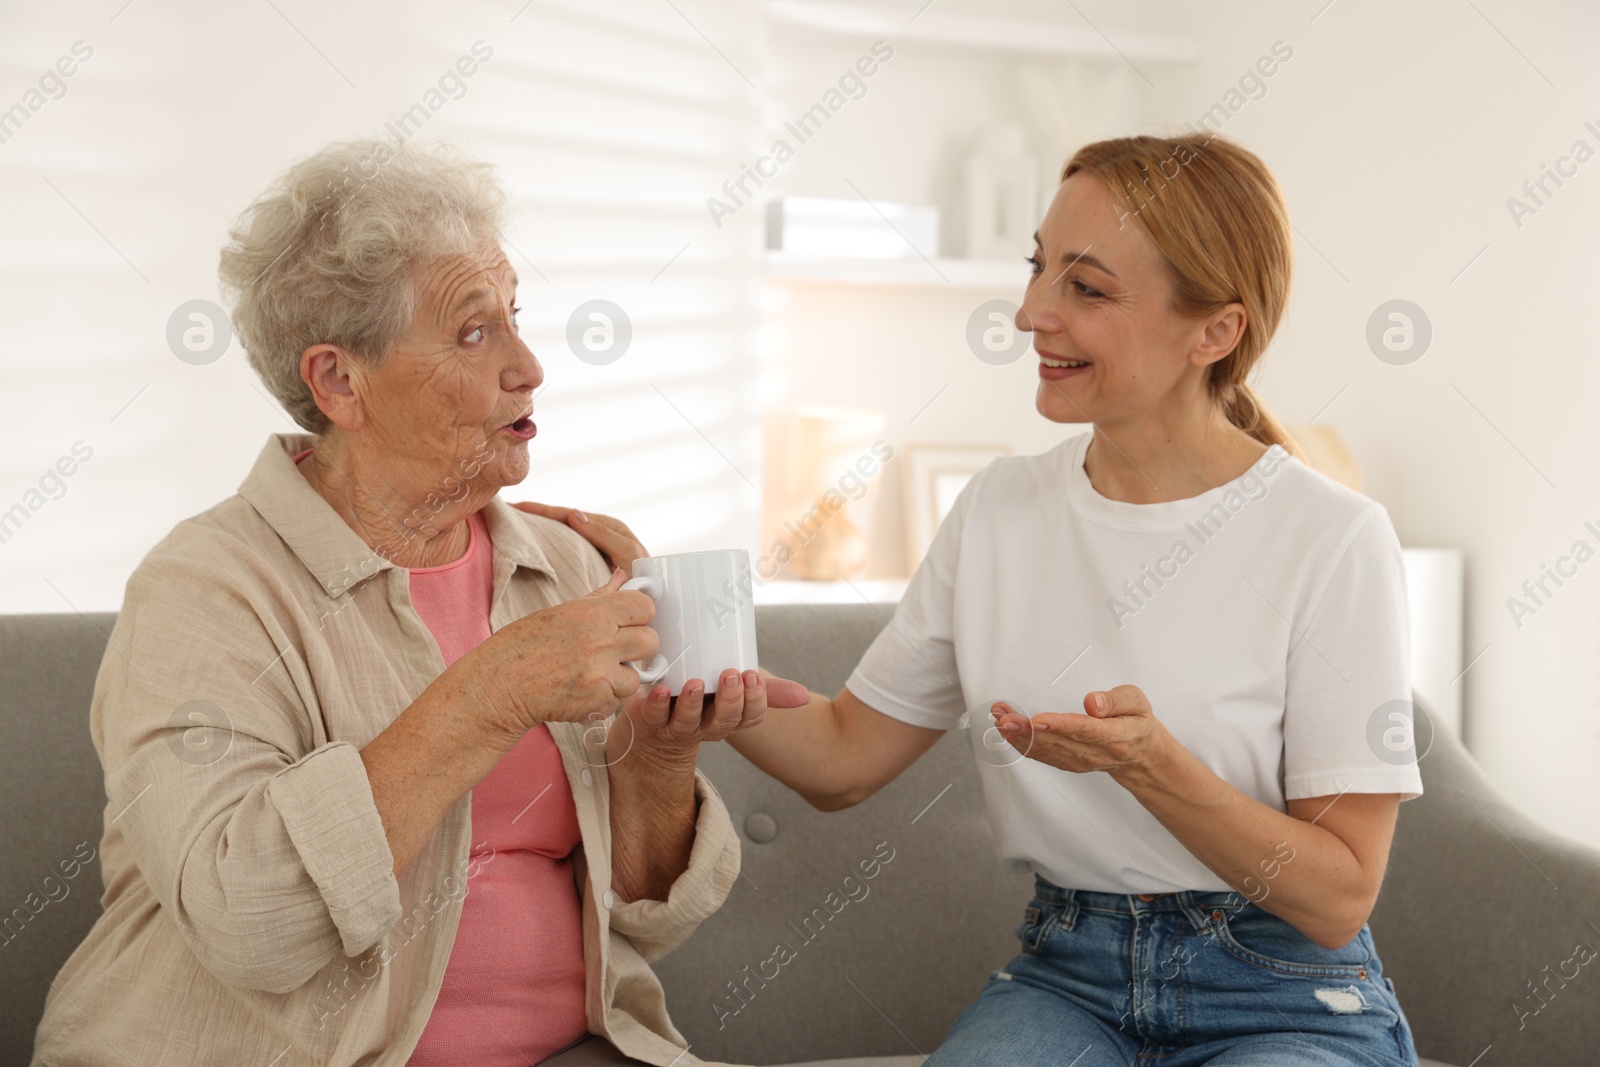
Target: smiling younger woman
1209,834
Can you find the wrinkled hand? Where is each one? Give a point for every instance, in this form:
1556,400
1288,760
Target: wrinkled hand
655,726
1119,732
563,663
610,536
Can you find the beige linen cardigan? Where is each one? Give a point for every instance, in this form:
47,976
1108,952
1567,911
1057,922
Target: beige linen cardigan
252,916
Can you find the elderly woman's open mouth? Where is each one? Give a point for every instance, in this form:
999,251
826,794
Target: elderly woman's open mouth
523,429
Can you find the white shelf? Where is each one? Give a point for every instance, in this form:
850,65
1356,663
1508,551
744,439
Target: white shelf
999,274
855,591
1079,40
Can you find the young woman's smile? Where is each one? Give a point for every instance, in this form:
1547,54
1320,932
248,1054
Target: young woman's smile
1059,368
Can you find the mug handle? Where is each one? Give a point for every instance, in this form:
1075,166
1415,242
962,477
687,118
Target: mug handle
656,669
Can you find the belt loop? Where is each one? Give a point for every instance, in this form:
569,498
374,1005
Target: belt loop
1198,911
1069,909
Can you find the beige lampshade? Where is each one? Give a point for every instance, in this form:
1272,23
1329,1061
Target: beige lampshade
824,443
823,446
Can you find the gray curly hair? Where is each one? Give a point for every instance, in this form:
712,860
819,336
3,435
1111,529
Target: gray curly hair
329,253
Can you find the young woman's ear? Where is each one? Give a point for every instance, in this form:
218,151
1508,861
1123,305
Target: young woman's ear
1223,331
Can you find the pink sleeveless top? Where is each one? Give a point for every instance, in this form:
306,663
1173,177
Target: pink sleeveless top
513,991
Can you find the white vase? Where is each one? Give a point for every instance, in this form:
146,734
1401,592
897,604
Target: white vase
1002,196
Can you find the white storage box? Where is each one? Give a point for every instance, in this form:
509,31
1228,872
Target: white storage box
852,229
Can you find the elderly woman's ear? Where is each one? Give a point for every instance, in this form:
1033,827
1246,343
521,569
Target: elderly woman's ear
611,536
327,370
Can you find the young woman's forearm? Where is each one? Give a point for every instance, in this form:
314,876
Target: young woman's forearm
1301,872
835,753
804,749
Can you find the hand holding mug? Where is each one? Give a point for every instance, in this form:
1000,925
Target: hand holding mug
565,663
656,724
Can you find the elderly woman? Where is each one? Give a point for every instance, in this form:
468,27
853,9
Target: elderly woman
371,796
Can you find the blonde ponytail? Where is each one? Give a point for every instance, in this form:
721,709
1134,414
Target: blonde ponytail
1246,411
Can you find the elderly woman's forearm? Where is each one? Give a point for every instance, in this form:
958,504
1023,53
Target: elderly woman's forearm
452,736
653,814
426,760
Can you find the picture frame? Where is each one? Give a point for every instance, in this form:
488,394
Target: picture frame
935,474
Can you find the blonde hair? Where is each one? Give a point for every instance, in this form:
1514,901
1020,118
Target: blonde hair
328,254
1217,215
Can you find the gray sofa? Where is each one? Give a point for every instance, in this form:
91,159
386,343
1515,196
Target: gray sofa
1480,904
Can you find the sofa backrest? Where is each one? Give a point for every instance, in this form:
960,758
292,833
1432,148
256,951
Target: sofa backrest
53,794
1479,904
1482,912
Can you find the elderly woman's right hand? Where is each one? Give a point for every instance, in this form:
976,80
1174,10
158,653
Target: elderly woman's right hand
567,663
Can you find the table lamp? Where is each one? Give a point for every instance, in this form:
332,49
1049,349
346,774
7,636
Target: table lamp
824,446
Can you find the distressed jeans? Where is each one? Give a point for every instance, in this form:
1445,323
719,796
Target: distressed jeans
1177,980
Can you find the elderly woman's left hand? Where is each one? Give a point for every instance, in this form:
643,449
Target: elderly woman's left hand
655,725
611,536
1119,732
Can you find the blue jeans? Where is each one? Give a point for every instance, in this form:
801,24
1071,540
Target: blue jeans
1180,980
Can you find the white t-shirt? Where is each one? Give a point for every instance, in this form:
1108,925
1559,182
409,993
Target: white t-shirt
1265,620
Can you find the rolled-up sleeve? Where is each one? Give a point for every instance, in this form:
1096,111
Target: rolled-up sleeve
656,927
257,834
329,815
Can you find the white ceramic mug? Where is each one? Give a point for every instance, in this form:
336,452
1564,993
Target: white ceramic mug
705,615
